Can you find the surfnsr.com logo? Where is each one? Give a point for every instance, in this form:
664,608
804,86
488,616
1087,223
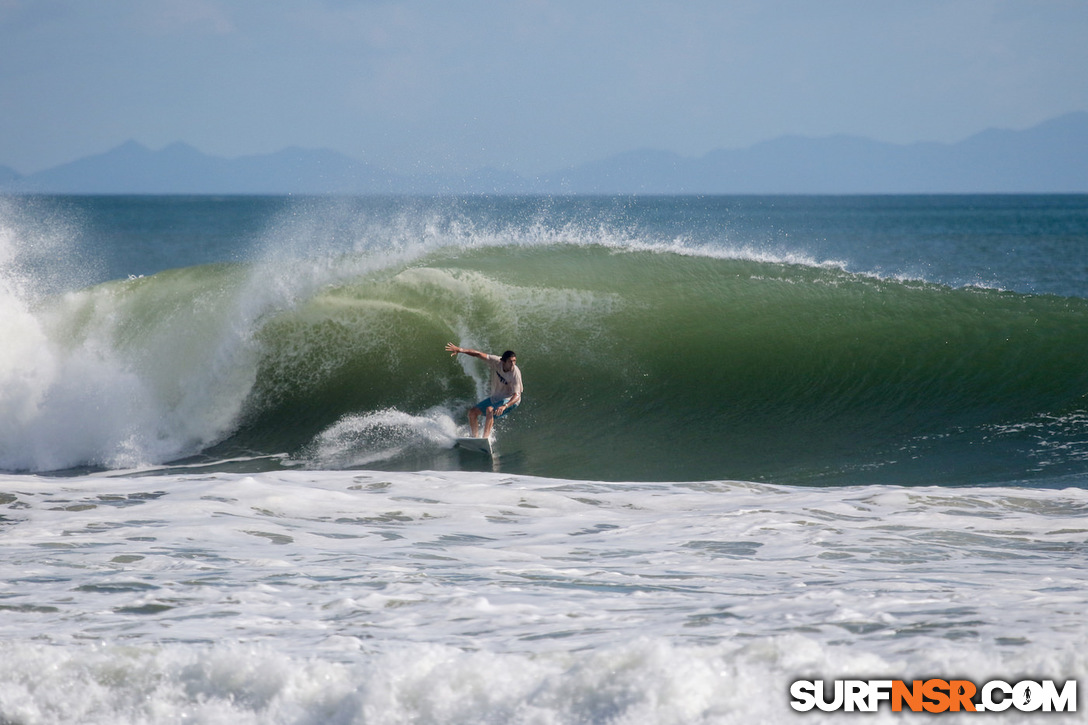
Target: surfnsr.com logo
934,695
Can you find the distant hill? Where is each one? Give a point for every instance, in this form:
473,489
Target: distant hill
181,169
8,175
1050,157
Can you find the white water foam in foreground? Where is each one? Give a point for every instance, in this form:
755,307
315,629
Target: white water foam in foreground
364,597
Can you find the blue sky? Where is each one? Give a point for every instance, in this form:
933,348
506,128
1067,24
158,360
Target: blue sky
525,85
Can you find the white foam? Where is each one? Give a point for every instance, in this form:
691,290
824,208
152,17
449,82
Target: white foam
456,597
641,682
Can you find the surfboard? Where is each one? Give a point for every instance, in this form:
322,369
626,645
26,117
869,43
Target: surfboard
477,445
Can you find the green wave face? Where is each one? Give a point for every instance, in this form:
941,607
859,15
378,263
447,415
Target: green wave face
638,365
661,365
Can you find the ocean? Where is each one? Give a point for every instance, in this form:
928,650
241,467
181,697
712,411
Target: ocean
764,440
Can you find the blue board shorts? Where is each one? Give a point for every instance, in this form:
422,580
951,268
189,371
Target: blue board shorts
484,404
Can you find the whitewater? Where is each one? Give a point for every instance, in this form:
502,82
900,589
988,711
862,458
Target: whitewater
764,439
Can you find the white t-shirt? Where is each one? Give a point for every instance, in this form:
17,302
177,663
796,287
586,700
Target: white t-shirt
503,384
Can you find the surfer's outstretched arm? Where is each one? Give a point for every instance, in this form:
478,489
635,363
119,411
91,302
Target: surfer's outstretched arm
453,350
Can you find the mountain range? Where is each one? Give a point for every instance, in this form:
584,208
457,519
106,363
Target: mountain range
1051,157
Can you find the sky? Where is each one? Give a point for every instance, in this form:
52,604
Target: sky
529,86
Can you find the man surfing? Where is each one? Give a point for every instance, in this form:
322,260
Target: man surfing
505,388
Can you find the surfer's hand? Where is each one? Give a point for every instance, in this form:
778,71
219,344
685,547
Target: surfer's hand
452,349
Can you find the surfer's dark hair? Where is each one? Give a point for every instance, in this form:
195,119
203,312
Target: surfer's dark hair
508,354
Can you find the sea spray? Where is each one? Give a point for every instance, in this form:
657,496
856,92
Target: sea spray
45,382
125,374
357,441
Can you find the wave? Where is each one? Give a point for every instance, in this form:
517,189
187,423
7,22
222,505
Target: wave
641,361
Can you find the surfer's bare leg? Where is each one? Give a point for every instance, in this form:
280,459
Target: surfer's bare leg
473,420
490,422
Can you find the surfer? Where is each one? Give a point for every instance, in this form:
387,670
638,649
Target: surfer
505,387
